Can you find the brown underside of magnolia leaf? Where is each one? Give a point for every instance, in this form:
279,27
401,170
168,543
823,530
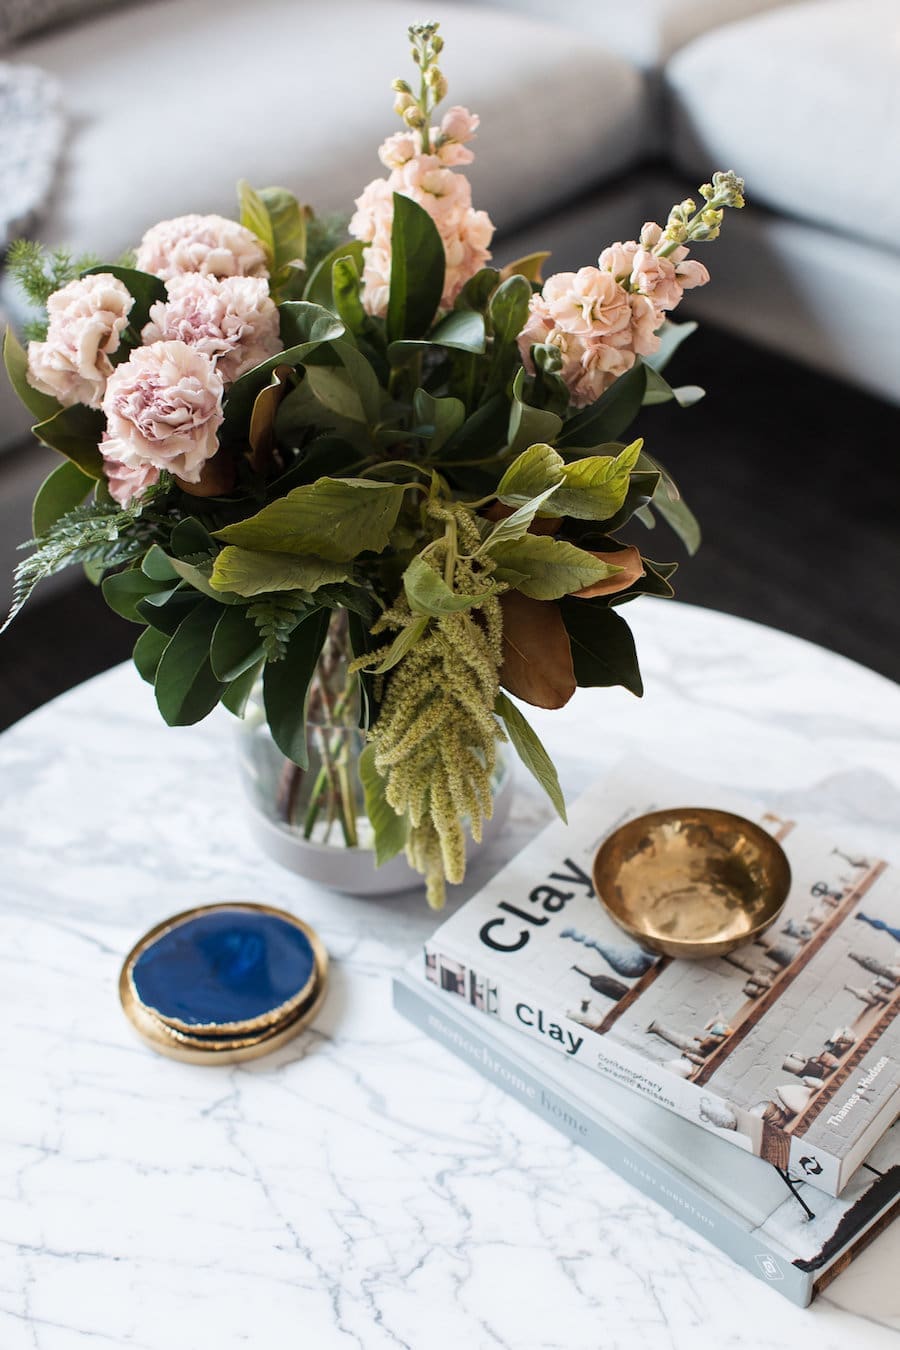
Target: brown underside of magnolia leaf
217,477
631,563
262,419
537,656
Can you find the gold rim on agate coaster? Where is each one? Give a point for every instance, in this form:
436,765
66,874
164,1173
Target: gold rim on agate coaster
692,882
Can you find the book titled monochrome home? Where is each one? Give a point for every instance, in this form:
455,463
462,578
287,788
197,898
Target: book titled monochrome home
788,1047
770,1220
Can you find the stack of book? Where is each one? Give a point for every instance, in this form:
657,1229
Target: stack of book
753,1094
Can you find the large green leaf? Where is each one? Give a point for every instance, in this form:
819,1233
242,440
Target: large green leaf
64,489
417,271
286,683
236,645
476,293
198,576
146,289
530,751
345,288
670,504
660,391
148,652
15,358
508,313
238,691
514,526
481,435
319,287
279,222
250,572
611,415
437,418
603,650
390,830
304,328
546,568
186,688
165,610
124,590
352,392
595,488
334,518
428,592
527,425
533,471
671,336
461,330
75,432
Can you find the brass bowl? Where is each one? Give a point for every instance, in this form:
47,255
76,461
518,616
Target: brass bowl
692,882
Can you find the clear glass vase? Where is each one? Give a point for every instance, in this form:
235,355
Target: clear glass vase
314,820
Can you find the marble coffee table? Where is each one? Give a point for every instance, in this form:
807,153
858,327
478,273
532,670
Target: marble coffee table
361,1187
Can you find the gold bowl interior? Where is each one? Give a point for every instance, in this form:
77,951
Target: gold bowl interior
692,881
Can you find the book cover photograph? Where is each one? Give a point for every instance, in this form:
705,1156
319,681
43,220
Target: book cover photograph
769,1219
788,1047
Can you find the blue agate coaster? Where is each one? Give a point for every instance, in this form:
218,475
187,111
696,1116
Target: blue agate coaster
224,978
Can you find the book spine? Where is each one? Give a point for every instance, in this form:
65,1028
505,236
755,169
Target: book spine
519,1008
583,1125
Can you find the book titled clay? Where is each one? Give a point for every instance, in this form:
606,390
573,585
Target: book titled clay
788,1047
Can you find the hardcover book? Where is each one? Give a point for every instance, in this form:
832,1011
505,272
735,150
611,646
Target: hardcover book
771,1221
789,1048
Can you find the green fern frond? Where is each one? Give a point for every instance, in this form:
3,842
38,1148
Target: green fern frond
41,271
276,616
98,532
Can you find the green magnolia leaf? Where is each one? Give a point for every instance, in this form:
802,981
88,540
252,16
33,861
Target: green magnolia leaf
333,518
145,288
480,435
462,330
190,538
428,592
670,504
345,288
417,271
405,640
158,567
671,336
286,683
527,425
75,432
279,222
165,610
390,829
148,651
514,526
186,688
437,418
546,568
660,391
237,694
198,577
603,651
319,287
236,646
249,572
15,358
529,266
508,312
64,489
124,590
535,469
476,293
595,488
611,415
353,392
531,752
304,328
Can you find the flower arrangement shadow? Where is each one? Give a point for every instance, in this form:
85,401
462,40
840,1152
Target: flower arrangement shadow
280,448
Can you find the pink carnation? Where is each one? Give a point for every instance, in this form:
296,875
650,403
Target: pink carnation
87,319
211,245
233,320
446,196
163,409
125,484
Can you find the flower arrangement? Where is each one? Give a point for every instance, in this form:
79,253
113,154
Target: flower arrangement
279,448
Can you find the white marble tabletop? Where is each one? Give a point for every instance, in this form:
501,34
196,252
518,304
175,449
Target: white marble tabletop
361,1187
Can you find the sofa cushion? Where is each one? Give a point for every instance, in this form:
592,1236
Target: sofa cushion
803,102
646,32
173,101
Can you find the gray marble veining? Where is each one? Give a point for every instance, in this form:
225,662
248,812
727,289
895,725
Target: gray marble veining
361,1188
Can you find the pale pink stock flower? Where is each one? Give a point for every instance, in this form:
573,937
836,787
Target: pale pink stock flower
87,319
427,179
163,408
212,245
233,320
125,484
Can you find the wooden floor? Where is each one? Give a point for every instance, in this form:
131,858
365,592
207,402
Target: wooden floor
795,478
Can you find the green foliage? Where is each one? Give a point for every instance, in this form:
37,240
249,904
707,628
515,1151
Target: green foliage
236,645
546,568
333,518
146,290
417,271
75,432
276,617
65,488
391,830
603,651
40,271
88,534
530,751
285,685
610,416
41,406
186,688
